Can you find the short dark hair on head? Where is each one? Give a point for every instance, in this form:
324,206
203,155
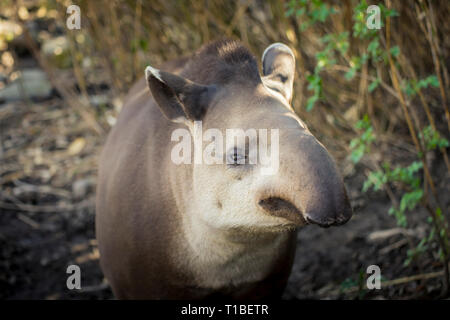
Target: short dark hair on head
222,61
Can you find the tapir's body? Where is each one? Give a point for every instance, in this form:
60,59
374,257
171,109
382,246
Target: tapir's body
185,231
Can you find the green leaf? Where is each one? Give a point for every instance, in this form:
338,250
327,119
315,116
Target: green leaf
353,143
395,51
411,199
433,81
374,84
433,139
438,213
350,74
357,154
391,13
311,102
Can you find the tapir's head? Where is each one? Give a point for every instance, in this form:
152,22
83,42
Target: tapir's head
279,176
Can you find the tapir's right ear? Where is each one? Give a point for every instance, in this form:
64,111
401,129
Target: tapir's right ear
278,62
179,99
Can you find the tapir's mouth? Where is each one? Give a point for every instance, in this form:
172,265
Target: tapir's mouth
279,207
328,222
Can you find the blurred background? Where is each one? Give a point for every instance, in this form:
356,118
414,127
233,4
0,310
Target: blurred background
377,99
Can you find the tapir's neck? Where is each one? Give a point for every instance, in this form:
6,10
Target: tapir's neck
220,257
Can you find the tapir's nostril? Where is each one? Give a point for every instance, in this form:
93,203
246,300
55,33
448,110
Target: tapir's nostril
279,207
274,204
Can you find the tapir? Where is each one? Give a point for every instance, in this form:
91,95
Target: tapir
169,230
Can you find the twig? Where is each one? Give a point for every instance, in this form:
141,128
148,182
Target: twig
28,221
26,187
394,246
88,203
390,283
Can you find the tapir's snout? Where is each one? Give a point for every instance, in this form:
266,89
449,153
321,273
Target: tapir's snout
334,214
326,218
308,188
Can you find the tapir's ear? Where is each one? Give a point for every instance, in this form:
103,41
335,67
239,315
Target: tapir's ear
278,62
179,99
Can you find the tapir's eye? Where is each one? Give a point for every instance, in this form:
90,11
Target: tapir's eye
236,157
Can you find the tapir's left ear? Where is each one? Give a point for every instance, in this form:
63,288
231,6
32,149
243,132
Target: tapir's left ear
179,99
278,62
